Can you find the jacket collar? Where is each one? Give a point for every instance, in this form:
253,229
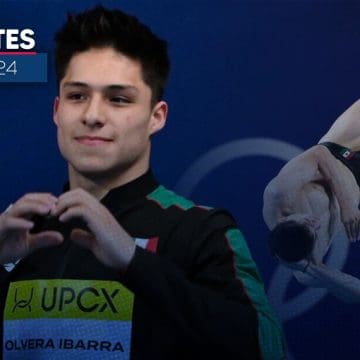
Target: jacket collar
122,196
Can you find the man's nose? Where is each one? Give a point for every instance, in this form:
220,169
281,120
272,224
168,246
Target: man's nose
94,115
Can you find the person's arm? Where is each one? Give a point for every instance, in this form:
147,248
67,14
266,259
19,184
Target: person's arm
212,297
281,195
343,185
219,300
341,285
344,286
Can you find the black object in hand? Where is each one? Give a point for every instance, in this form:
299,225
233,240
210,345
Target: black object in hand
45,223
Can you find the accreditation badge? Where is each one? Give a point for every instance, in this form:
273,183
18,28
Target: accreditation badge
67,319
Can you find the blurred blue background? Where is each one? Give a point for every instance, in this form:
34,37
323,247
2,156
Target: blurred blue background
252,83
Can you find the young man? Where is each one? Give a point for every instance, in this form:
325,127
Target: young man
120,266
314,196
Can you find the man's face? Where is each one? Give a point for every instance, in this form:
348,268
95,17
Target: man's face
104,115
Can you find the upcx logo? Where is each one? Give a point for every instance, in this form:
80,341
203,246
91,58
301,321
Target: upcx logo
87,299
68,298
60,298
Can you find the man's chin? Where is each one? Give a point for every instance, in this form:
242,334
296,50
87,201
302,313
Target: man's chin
98,172
90,170
95,173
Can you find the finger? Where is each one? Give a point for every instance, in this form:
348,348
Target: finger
40,196
353,227
83,238
28,208
80,217
347,229
72,198
352,230
356,235
75,212
45,239
13,223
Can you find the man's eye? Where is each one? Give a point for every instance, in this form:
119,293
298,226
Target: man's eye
119,100
76,96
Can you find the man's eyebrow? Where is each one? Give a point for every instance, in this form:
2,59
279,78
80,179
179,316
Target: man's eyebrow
75,83
106,87
122,87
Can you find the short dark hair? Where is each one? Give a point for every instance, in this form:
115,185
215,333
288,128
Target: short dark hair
291,241
99,27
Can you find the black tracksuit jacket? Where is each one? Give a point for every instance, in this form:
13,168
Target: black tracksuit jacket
197,292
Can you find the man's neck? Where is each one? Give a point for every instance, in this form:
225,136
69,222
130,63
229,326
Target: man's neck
99,186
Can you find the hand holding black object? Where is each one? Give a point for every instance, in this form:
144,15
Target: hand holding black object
16,241
39,220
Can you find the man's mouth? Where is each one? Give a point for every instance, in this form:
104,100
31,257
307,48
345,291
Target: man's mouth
92,140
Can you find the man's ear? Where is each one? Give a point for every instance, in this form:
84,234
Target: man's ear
55,110
158,117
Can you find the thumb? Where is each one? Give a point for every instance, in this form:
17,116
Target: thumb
45,239
83,238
